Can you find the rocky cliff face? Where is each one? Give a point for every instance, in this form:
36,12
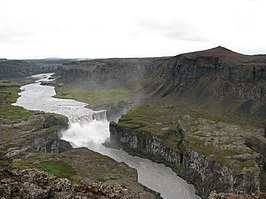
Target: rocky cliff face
208,175
51,142
145,144
215,78
239,76
40,137
109,72
218,85
23,68
205,153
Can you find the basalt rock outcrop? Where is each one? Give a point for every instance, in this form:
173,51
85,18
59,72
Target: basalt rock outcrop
21,137
238,76
109,72
241,76
209,154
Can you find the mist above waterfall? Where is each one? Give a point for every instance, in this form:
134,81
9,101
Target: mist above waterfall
81,135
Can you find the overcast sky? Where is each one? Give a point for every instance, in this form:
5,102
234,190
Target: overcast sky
129,28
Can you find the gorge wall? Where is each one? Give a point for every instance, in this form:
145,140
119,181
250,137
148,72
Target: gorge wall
217,84
203,171
236,75
25,68
225,83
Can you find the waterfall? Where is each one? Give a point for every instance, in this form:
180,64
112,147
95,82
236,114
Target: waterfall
99,115
92,127
88,116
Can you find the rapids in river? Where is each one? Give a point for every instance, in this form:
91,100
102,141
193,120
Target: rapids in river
88,128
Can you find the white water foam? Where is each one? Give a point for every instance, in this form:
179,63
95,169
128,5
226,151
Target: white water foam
83,134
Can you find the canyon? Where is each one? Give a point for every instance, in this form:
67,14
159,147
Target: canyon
201,113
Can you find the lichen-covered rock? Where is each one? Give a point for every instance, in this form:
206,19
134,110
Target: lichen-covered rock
33,183
215,195
211,155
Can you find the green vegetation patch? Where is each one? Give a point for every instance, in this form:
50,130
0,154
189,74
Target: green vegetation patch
223,156
8,95
57,168
21,164
173,141
201,147
7,83
179,169
154,120
94,97
150,118
13,112
246,164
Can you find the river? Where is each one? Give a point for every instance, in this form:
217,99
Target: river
88,128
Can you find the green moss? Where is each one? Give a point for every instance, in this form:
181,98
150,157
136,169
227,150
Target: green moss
172,142
201,147
246,164
222,156
13,113
27,81
57,168
150,118
8,95
179,169
209,138
7,83
21,164
231,152
205,79
225,142
226,156
94,97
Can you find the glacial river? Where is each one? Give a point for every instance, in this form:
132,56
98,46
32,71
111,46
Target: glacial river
86,131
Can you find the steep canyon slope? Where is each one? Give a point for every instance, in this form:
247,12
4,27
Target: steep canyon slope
215,78
202,113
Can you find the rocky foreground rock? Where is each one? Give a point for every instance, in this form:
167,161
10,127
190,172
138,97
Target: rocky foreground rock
215,195
33,183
